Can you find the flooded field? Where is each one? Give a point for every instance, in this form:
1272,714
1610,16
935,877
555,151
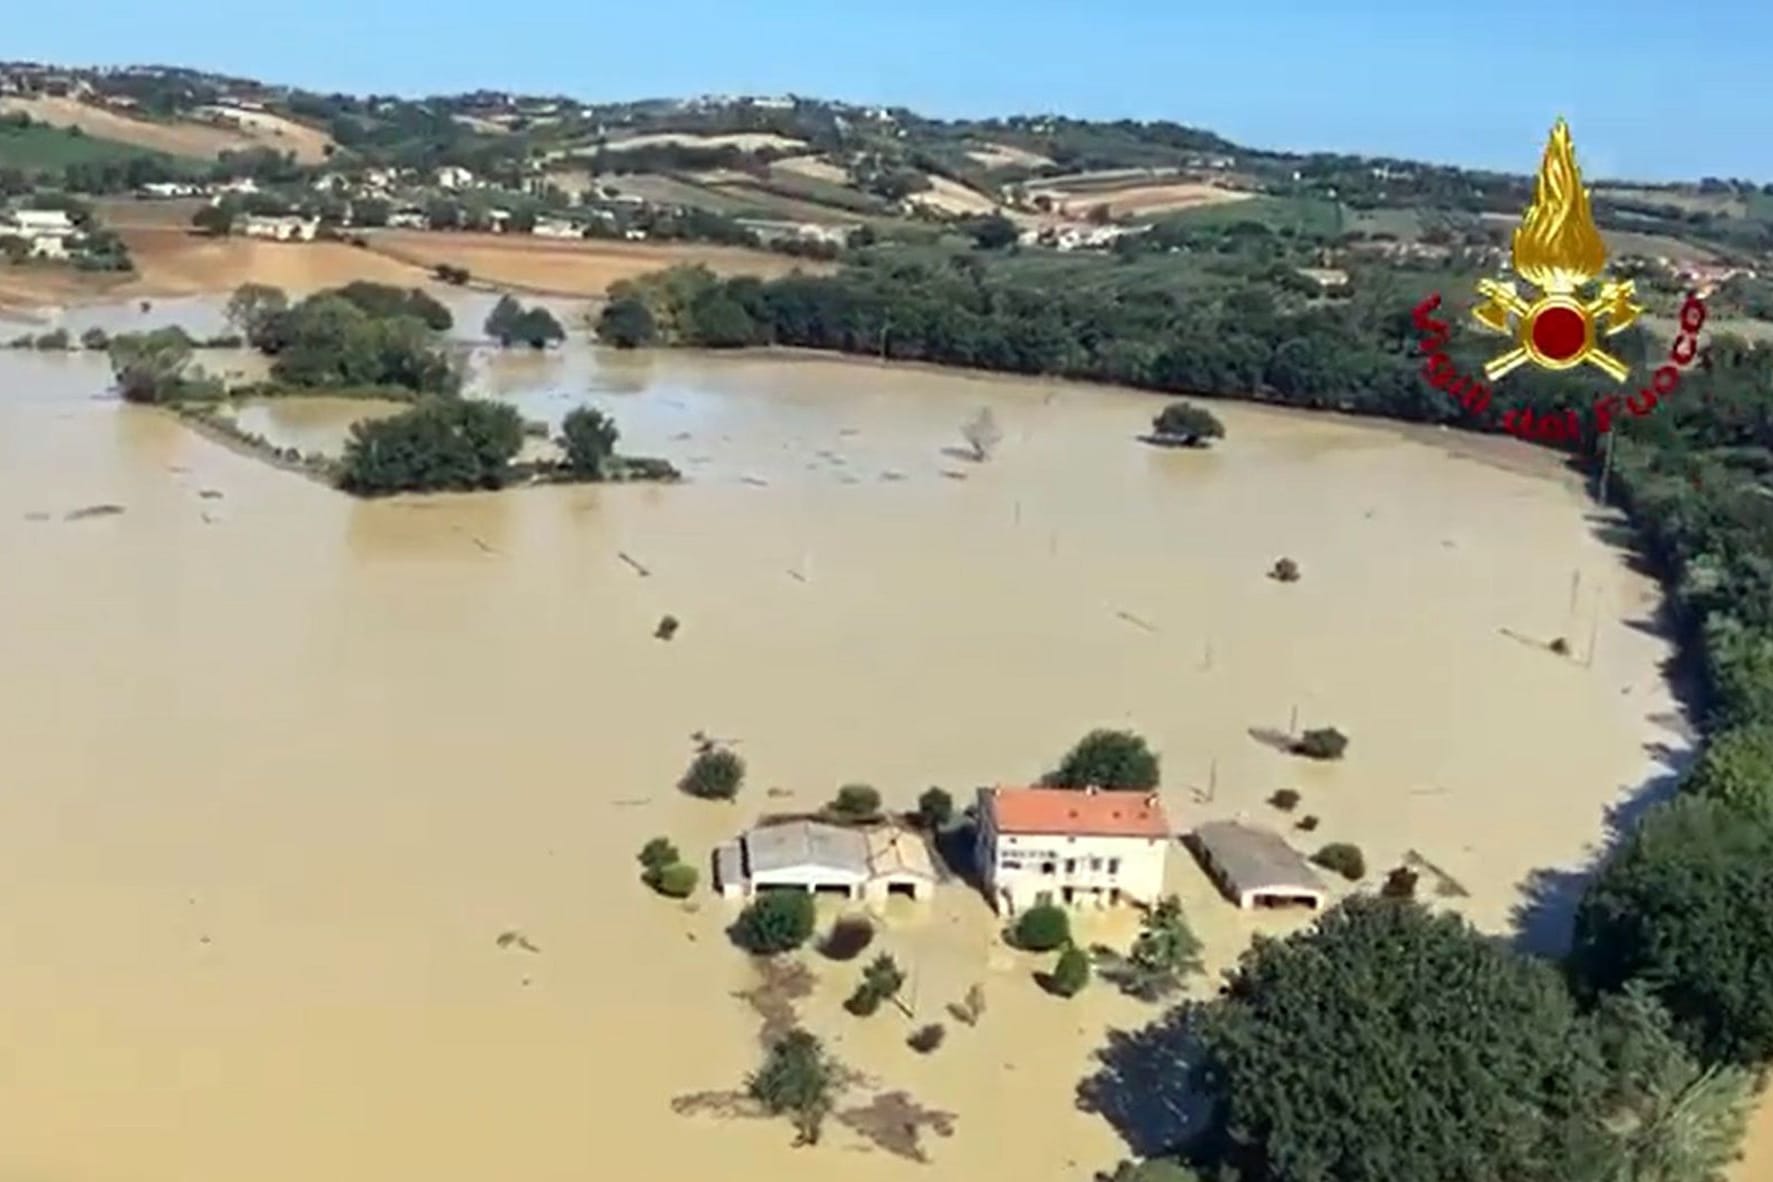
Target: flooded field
281,767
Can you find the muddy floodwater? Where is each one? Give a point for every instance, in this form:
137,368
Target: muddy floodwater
279,768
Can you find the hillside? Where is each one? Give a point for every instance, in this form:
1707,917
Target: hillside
204,134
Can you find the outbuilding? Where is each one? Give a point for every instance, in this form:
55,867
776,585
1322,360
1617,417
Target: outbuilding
1256,867
818,856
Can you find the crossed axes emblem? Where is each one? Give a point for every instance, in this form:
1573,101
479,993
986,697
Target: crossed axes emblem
1507,313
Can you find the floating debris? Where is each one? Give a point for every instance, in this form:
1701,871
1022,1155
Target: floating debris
516,939
756,480
210,494
892,474
667,628
1130,618
37,515
93,511
624,556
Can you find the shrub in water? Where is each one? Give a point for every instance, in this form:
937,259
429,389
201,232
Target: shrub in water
1071,973
1400,884
1042,928
676,881
658,854
1286,800
848,938
1285,570
1323,743
1307,823
1343,858
715,774
927,1038
778,922
856,802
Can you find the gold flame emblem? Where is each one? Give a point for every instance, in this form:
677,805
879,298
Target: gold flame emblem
1558,249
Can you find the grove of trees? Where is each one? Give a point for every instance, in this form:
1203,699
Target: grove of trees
440,444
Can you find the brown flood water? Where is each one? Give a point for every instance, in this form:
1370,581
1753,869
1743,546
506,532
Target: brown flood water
279,767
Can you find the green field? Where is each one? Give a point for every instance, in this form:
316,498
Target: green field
37,147
1306,215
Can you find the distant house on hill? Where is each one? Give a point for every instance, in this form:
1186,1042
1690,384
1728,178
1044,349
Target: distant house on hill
768,231
284,228
408,218
817,856
454,176
1071,846
45,233
554,227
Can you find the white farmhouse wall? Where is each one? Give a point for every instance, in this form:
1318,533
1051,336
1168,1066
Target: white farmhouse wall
1016,868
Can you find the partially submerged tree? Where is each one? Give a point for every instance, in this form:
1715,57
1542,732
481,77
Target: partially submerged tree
1107,759
715,774
627,323
982,433
881,980
251,307
155,367
775,922
1324,742
856,802
588,437
1285,570
1042,928
1071,972
1183,422
797,1079
1164,955
1342,857
935,808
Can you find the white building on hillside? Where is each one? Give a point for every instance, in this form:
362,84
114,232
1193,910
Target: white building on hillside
408,218
45,232
550,227
454,176
1071,846
288,228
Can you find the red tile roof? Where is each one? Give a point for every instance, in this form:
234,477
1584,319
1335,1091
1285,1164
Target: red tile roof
1084,812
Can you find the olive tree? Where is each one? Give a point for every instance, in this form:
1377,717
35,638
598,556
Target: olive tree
1107,759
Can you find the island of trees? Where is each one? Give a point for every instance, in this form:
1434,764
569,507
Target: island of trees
375,342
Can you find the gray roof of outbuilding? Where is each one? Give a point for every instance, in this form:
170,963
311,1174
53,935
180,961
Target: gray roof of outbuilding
806,843
1254,859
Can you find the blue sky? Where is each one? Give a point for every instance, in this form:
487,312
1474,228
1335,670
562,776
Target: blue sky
1659,90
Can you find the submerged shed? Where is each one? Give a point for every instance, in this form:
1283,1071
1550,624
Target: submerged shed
1256,867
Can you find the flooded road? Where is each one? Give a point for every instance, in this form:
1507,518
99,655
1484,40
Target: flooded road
280,767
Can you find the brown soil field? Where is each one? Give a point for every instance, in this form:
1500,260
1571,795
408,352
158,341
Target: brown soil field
813,167
952,197
182,138
310,144
570,267
745,141
1148,199
1005,156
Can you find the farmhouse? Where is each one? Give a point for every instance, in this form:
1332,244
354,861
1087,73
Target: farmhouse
1256,867
454,176
768,231
825,859
287,228
408,218
45,232
1071,846
550,227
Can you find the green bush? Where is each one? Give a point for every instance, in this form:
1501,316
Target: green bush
716,773
95,338
1071,973
1343,858
856,802
627,323
925,1039
799,1079
440,444
1187,422
676,881
1042,928
588,437
776,922
658,853
935,808
1323,743
1107,759
1284,799
848,938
